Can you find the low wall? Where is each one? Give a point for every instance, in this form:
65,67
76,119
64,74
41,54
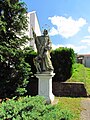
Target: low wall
69,89
65,89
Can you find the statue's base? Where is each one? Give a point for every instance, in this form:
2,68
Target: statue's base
45,85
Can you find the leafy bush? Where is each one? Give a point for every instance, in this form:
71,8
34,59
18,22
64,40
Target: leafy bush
30,55
32,108
63,60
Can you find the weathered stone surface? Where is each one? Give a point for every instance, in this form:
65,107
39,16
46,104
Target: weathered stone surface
69,89
45,85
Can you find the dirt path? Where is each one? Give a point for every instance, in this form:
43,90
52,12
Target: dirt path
85,114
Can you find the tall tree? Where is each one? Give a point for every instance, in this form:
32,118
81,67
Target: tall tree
14,70
13,23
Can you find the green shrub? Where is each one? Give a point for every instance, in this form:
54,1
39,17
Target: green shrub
63,60
32,108
30,55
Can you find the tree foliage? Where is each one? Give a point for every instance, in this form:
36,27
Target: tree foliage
13,23
14,71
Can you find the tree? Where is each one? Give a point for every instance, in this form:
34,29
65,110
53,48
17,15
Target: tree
14,71
13,23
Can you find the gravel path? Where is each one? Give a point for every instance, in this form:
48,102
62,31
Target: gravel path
85,114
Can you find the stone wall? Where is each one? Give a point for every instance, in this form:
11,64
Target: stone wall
65,89
69,89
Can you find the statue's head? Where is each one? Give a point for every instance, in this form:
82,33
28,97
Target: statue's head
45,32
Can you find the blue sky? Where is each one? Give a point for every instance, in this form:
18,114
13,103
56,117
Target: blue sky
68,22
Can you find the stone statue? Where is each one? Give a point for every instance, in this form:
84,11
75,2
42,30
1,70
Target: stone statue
44,46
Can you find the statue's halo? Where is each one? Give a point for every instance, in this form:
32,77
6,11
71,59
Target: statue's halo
46,26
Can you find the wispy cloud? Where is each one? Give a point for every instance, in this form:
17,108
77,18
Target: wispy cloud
66,27
89,29
86,40
87,37
56,46
77,49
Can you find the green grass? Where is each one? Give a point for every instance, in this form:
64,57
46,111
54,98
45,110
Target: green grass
72,104
87,80
81,74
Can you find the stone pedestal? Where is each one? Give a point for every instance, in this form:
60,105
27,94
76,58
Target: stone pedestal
45,86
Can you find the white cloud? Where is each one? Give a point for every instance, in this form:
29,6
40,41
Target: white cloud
66,27
86,40
87,37
77,49
53,31
56,46
89,29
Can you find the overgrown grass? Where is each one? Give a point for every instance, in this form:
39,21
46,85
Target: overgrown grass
81,74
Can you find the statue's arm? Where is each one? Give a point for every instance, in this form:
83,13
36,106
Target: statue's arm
48,44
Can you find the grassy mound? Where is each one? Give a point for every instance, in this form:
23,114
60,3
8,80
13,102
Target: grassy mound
81,74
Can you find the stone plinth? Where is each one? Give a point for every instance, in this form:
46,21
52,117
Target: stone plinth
45,85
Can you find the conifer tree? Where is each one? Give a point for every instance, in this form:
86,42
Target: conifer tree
14,71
